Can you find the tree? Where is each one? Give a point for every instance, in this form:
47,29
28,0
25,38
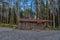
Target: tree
52,5
17,10
6,11
36,6
1,10
58,11
47,9
47,12
40,9
9,15
25,5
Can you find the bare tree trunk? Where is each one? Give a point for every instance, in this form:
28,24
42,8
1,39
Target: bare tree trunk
52,3
36,3
59,12
17,12
39,10
1,12
47,12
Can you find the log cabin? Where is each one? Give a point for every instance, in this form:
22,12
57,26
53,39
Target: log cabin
29,24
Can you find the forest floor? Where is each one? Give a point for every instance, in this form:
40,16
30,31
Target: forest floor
14,34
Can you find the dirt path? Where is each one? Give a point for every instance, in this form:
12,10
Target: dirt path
12,34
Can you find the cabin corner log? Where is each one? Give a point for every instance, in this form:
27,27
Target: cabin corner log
28,24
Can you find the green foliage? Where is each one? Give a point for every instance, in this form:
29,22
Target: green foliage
9,25
28,13
54,28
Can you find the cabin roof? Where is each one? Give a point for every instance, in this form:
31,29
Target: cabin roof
30,20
